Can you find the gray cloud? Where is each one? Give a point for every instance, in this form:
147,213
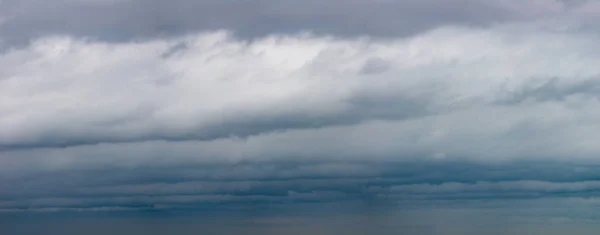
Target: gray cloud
161,187
130,106
117,20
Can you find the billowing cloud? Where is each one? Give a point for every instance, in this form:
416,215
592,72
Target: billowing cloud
501,103
62,91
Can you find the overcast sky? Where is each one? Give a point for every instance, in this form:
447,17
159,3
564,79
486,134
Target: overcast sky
210,106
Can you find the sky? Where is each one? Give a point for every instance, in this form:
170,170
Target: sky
299,117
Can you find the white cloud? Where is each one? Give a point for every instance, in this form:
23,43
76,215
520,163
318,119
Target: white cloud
62,90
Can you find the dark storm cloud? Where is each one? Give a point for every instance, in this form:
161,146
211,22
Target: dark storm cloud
199,186
117,20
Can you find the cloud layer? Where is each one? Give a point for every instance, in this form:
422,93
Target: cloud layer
122,20
507,107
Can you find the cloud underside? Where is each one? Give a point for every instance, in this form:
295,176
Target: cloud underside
199,119
122,20
227,187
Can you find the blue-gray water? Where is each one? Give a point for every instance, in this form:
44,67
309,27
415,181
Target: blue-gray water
538,216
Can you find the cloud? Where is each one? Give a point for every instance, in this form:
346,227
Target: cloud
507,186
124,20
208,118
63,91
